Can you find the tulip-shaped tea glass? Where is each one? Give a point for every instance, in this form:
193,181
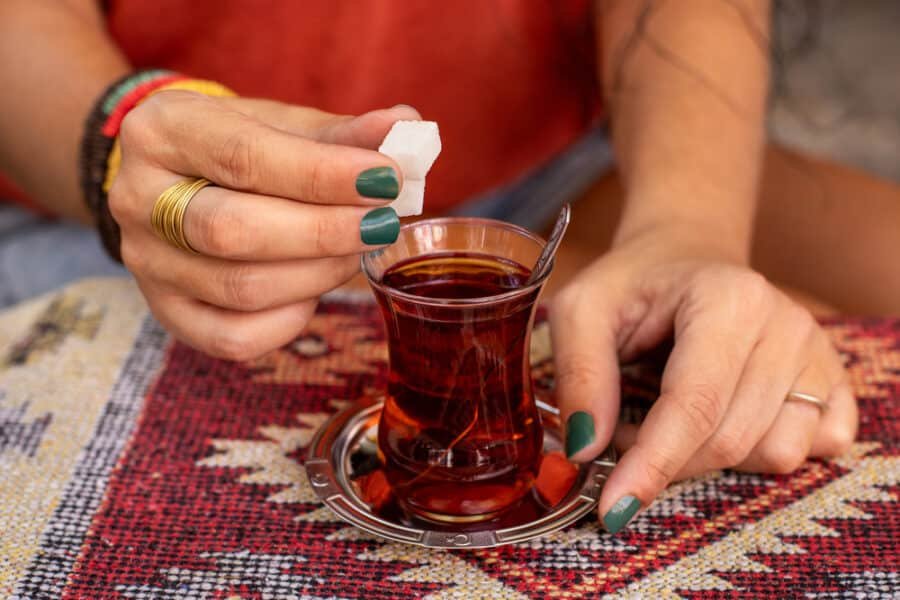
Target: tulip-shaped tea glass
460,432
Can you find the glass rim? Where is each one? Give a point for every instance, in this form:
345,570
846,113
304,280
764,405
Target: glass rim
460,302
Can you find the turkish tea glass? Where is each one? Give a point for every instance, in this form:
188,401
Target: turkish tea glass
460,434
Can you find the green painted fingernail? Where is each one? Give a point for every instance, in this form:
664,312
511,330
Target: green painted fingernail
579,432
621,513
379,226
378,182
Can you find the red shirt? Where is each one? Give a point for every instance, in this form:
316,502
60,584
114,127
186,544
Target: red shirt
510,82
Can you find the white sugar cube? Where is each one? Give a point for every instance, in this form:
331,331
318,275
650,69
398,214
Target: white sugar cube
411,198
414,145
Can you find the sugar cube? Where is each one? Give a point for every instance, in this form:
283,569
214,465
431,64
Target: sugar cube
411,199
414,145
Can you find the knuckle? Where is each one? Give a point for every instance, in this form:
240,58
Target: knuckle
702,407
660,470
232,344
320,237
138,125
728,449
306,310
714,278
118,199
133,257
838,439
802,319
782,457
234,160
752,282
241,288
753,290
577,371
325,236
223,233
127,199
313,186
143,128
738,288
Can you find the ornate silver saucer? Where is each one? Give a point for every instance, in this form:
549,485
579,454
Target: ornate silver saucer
343,451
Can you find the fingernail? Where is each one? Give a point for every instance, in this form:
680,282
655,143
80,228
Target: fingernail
579,432
378,182
621,513
379,226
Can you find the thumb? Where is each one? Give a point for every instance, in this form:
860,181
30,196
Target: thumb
368,129
364,131
587,372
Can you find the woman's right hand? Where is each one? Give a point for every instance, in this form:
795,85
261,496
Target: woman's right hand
290,212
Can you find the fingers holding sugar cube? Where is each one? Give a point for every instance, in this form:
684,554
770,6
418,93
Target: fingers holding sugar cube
414,145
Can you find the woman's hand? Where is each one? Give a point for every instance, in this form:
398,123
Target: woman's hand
286,221
740,347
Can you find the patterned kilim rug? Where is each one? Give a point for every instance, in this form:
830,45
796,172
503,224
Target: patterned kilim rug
134,467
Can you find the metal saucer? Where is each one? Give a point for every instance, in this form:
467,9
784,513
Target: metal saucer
330,472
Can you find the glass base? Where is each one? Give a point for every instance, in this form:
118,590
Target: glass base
453,521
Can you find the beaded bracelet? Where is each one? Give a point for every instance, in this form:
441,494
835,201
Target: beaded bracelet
101,154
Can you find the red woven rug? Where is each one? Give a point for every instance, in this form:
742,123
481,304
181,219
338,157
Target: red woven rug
162,473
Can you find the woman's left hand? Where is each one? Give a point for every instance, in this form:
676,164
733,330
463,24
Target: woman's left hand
741,346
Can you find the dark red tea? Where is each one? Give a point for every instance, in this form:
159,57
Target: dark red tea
459,432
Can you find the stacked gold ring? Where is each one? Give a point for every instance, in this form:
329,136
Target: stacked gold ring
167,217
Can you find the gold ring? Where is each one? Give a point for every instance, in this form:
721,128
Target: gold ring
167,217
808,398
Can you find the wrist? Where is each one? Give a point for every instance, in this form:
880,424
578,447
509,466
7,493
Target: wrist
718,224
686,237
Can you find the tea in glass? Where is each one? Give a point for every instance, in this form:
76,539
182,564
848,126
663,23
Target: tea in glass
460,434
